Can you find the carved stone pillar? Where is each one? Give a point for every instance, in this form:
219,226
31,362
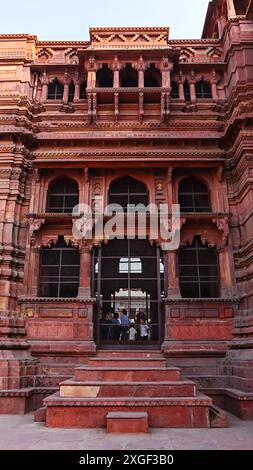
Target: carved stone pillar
85,270
44,83
116,106
173,286
231,8
77,89
181,89
66,82
166,67
116,78
214,87
141,71
226,277
92,73
193,91
116,70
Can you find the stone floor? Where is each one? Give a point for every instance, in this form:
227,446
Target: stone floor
20,432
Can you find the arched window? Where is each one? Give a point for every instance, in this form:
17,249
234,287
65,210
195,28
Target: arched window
126,191
55,90
129,77
59,271
187,94
83,87
174,90
203,89
71,92
152,77
193,196
63,196
198,271
105,77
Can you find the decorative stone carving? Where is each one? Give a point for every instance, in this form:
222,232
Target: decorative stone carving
34,226
223,226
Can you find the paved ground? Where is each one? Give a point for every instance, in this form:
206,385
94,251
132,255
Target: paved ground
20,432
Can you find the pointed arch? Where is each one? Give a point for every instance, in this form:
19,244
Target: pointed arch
127,190
193,195
62,196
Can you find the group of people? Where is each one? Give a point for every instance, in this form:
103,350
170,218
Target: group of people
120,328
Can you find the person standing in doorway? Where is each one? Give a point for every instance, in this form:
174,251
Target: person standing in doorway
125,325
144,329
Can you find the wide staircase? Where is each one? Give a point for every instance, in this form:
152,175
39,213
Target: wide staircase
129,391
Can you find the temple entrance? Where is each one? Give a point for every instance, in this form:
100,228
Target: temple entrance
128,283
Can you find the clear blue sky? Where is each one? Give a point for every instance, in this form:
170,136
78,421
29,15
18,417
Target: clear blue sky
70,19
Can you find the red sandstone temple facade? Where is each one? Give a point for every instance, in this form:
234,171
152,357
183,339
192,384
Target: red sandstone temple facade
129,116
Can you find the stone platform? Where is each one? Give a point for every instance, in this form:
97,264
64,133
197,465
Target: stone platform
128,382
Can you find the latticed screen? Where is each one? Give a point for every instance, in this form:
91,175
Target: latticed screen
59,271
127,191
194,196
198,271
63,196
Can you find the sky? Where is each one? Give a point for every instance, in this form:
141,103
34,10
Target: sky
71,19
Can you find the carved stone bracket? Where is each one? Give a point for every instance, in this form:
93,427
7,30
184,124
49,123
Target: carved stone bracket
223,226
34,226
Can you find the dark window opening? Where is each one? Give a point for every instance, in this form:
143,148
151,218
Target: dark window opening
128,191
187,94
193,196
59,271
241,6
83,87
55,90
152,77
203,89
216,32
63,196
105,77
174,90
129,77
71,92
198,271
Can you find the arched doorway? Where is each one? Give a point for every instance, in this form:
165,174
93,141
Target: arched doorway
128,275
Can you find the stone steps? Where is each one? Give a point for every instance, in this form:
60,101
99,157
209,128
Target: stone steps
129,353
72,388
127,362
127,423
150,374
128,382
163,412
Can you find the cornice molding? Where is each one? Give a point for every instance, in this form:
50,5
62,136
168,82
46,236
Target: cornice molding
55,300
201,154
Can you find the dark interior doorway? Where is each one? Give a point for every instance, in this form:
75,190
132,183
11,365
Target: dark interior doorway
128,275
